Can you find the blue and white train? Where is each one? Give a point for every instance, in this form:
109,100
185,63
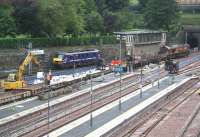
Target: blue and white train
78,59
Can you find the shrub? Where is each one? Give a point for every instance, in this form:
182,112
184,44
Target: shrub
14,43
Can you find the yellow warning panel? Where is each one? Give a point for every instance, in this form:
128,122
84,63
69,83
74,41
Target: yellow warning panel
198,91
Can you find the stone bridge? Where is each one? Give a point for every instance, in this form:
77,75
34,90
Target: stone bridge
193,5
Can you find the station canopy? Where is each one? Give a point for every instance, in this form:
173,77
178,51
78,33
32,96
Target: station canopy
138,31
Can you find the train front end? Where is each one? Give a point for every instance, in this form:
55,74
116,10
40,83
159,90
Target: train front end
58,60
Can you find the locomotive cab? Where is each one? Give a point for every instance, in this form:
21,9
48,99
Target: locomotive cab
172,66
58,59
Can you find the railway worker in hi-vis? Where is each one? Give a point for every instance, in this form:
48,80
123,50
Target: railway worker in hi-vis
49,77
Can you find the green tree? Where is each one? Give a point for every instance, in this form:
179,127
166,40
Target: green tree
116,5
118,21
101,6
7,22
116,14
93,20
74,16
111,5
51,17
142,4
26,18
94,23
161,14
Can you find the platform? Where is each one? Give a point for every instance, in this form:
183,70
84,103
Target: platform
81,127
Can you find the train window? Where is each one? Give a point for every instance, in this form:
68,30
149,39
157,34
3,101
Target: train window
75,56
78,56
88,55
60,56
94,55
81,56
91,55
99,56
85,55
66,58
71,58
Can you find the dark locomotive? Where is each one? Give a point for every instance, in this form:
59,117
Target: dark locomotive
172,66
169,54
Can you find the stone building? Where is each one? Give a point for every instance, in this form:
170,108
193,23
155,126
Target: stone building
141,42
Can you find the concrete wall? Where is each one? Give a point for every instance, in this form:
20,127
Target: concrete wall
147,49
11,59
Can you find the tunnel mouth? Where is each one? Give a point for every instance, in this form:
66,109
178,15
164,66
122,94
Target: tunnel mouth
192,41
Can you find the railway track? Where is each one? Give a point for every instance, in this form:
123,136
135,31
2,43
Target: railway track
143,124
38,89
186,127
99,96
73,106
35,124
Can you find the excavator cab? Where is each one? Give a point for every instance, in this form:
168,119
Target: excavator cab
7,85
12,83
11,77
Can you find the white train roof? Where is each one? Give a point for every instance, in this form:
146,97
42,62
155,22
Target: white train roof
79,52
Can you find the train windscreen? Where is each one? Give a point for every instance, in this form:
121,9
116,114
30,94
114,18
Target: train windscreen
61,56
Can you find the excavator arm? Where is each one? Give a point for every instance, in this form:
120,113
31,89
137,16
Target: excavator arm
29,58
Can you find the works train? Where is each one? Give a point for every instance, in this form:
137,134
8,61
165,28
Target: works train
78,59
93,57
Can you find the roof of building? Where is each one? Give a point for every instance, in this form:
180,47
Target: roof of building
191,28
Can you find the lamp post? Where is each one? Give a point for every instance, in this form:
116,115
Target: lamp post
186,37
48,79
120,56
48,107
81,82
141,80
120,91
120,37
91,101
30,64
74,66
158,71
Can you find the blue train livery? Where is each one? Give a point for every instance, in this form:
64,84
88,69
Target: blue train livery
79,58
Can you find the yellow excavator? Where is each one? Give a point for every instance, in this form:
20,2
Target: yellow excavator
16,81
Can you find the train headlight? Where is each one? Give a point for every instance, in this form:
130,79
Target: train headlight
57,60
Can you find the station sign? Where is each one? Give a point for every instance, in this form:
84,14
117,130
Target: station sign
37,52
